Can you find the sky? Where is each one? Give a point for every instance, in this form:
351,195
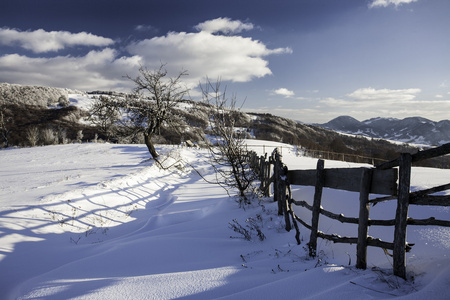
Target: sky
308,60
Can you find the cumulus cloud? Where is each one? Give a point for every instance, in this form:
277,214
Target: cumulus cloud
385,3
283,92
384,94
205,53
232,58
40,41
224,25
96,70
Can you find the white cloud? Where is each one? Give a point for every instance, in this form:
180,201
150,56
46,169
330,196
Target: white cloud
283,92
224,25
40,40
368,103
433,109
333,102
384,94
385,3
232,58
146,28
228,57
96,70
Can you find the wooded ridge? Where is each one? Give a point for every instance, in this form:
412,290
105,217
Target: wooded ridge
20,116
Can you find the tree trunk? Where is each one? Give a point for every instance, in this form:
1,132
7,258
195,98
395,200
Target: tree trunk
150,146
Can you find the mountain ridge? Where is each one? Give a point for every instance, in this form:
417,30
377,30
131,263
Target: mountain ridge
417,130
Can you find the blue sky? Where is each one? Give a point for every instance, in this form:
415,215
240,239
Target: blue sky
309,60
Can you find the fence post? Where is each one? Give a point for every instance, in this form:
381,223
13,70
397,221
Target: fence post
320,180
262,174
401,215
291,212
267,176
278,192
277,165
283,196
363,225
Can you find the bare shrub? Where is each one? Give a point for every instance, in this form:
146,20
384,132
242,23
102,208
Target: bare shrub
62,136
228,153
48,136
63,101
79,136
105,113
32,136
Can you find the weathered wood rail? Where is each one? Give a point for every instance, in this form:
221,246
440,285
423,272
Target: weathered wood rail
381,180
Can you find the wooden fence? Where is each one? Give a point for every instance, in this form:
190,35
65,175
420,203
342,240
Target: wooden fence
322,154
381,179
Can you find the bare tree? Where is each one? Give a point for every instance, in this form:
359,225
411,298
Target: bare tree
105,113
228,152
154,97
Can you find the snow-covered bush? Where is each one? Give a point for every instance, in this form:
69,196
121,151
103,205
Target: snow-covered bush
48,136
32,135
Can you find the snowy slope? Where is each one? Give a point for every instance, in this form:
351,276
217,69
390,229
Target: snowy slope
100,221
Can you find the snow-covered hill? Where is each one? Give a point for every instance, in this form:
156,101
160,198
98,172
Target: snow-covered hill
414,130
101,221
44,116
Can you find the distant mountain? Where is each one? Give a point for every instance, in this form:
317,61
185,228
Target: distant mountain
409,130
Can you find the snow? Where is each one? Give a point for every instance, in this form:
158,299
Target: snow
102,221
82,101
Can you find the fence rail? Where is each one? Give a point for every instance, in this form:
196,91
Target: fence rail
381,179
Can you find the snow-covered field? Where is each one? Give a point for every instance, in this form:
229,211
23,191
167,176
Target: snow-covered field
101,221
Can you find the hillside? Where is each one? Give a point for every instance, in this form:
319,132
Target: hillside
45,124
39,96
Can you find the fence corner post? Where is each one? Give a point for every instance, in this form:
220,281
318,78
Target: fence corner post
320,180
401,215
363,225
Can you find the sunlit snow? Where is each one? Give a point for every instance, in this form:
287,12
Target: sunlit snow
101,221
